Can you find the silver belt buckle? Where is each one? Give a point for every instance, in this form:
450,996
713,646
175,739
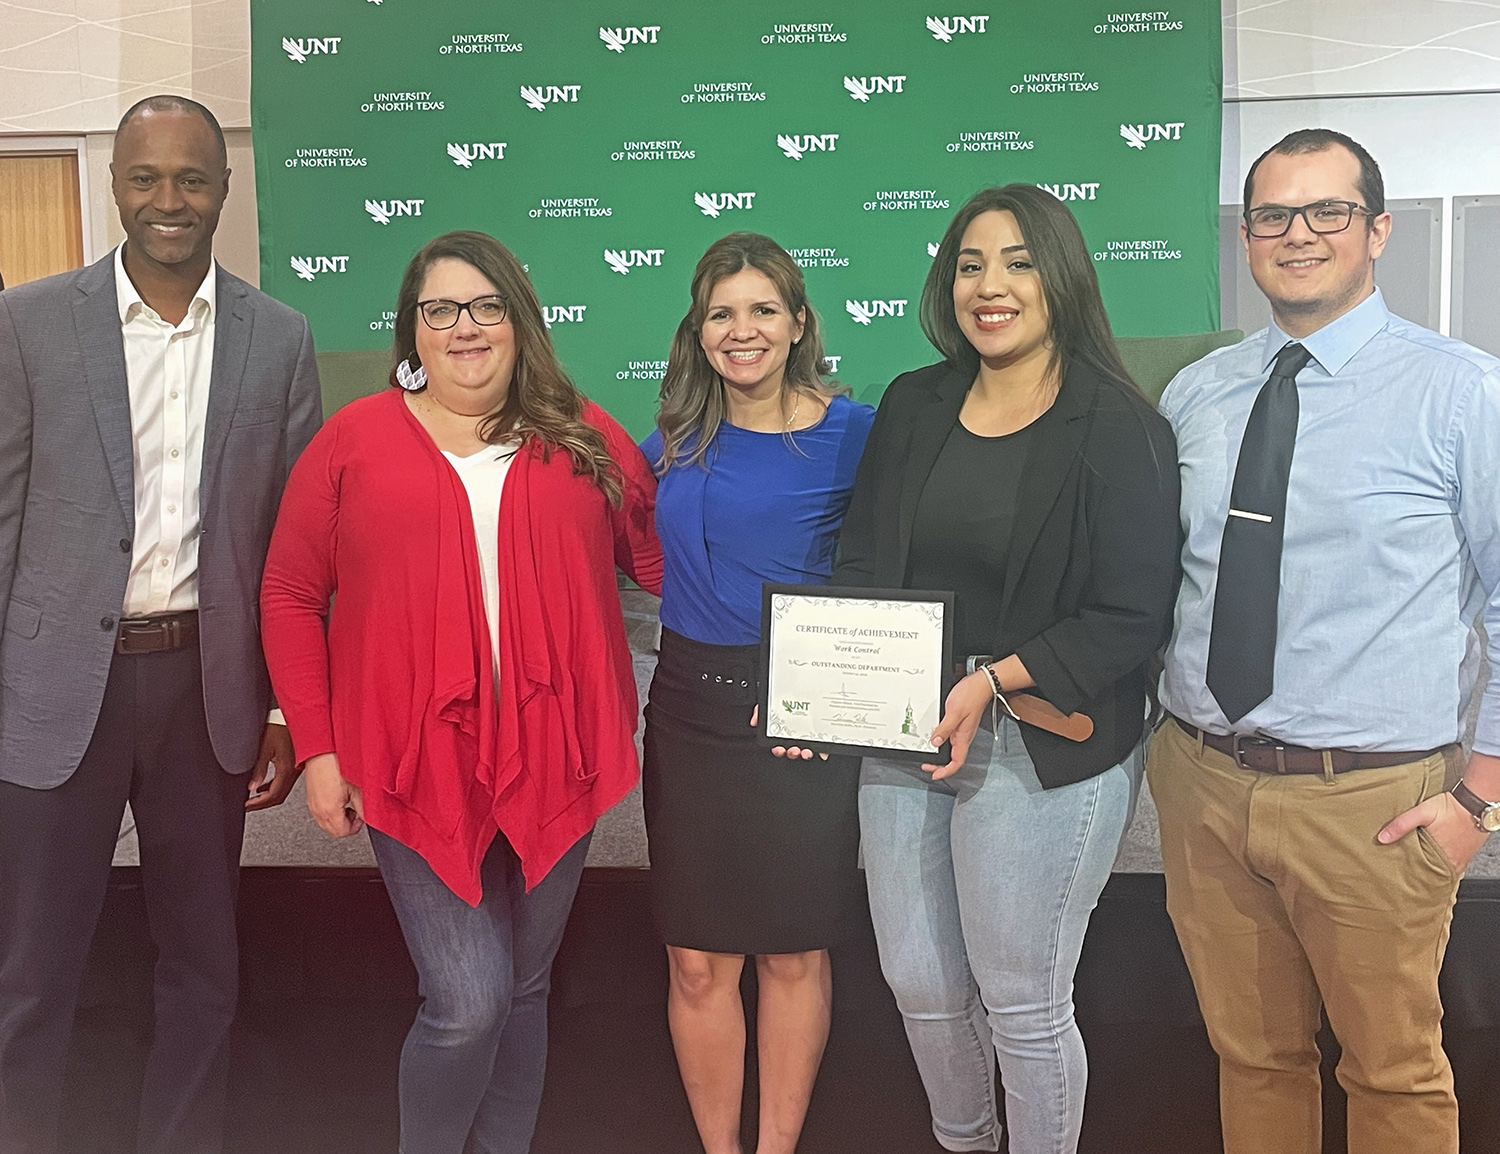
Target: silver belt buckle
1241,741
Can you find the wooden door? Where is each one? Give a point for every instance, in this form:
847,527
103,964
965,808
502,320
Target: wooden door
41,220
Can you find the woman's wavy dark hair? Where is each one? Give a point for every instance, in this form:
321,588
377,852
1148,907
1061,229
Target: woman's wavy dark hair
542,400
1078,326
692,395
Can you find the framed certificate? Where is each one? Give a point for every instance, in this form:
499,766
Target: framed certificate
855,671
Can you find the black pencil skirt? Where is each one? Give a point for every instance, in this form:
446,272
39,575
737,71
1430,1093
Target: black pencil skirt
750,853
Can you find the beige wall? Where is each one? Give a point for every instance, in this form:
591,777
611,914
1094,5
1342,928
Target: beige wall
1368,48
72,67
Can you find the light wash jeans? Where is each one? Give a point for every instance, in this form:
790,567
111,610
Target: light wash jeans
981,886
473,1062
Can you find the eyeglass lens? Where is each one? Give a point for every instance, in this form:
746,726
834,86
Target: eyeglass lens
1324,217
443,314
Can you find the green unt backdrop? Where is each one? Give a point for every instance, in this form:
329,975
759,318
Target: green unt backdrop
608,143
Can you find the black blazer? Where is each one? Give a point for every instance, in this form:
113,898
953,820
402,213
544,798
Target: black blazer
1092,572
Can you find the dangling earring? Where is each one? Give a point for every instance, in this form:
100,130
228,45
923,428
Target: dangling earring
411,381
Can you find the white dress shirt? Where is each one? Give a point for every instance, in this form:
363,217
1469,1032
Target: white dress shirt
167,371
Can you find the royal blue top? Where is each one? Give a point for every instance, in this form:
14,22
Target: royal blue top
766,509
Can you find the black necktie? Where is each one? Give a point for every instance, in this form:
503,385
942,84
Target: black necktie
1242,644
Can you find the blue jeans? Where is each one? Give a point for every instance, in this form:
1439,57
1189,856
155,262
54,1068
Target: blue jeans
474,1060
981,886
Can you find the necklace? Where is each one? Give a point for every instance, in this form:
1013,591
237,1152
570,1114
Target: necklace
796,400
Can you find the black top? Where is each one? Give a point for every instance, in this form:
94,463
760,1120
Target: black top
1091,566
961,534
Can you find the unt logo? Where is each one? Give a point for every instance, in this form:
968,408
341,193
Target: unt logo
1137,135
308,267
795,146
300,50
623,261
932,250
539,97
713,203
795,706
1073,191
615,39
945,28
464,155
864,312
383,211
562,314
861,88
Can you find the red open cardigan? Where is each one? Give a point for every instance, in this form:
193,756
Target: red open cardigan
400,685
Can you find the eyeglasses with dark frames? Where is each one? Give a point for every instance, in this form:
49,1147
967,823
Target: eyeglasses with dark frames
1323,216
443,314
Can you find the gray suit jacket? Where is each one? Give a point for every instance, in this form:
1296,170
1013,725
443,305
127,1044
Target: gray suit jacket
67,509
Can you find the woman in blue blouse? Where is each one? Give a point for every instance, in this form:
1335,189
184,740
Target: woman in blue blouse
750,854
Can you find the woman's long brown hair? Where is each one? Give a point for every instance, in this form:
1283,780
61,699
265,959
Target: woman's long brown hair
542,400
692,395
1079,328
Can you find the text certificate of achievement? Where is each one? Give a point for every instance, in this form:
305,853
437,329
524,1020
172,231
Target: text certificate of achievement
858,671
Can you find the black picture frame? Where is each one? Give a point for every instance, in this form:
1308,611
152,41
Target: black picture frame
937,755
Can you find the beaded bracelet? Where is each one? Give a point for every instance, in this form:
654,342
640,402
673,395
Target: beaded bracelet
989,671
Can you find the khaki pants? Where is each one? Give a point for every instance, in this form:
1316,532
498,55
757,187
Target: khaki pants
1284,903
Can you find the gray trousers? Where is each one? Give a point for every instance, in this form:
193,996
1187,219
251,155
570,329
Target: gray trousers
150,747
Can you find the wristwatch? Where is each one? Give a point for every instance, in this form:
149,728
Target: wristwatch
1486,813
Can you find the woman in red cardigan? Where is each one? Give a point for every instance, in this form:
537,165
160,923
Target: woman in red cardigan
468,695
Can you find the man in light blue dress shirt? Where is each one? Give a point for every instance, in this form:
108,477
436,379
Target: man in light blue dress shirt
1311,846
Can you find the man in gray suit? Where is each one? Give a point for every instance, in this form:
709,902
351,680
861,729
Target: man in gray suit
152,406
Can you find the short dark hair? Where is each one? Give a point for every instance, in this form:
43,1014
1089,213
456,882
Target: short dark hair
1370,184
1079,325
169,103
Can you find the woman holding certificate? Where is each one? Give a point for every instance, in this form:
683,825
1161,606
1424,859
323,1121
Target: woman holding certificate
755,454
1027,474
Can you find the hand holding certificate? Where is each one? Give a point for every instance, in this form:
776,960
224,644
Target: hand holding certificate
855,671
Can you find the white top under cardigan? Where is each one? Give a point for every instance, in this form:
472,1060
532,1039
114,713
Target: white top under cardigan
483,474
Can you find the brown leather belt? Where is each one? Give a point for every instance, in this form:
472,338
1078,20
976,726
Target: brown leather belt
159,633
1267,755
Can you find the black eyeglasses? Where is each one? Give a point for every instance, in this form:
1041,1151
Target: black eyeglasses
443,314
1323,216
